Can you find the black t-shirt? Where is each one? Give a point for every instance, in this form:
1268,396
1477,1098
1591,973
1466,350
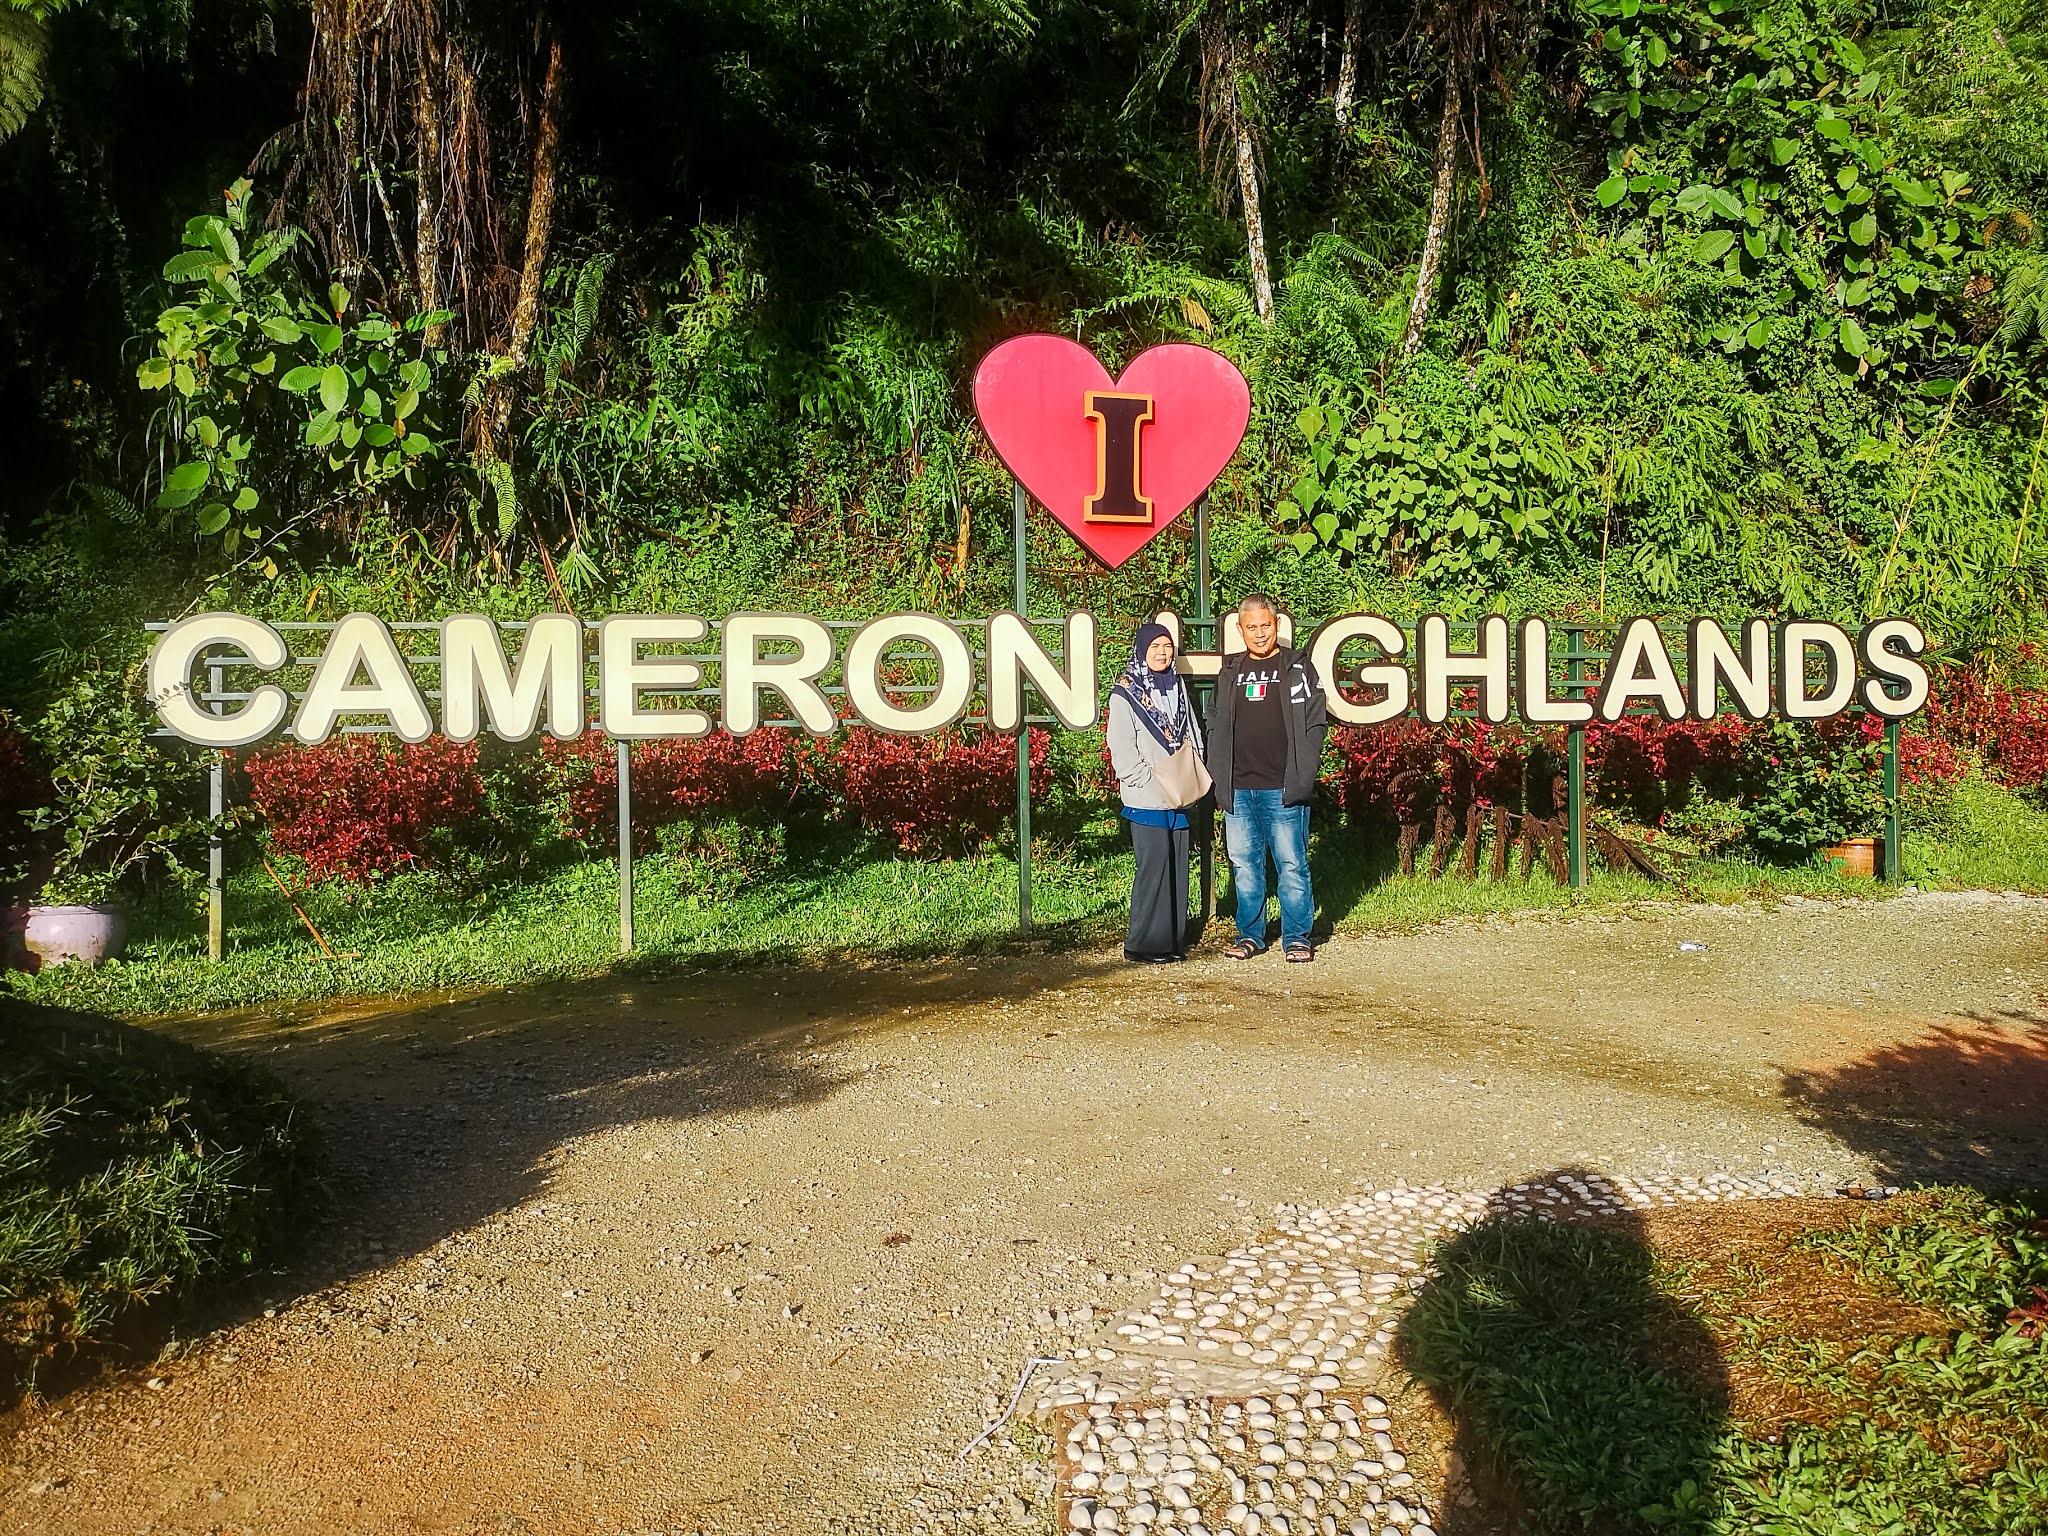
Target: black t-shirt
1258,758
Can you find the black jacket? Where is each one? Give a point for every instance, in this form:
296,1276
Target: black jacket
1302,706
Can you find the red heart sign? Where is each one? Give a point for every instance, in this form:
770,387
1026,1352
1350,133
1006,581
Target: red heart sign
1115,462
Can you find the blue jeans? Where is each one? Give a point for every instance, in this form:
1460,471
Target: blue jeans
1258,824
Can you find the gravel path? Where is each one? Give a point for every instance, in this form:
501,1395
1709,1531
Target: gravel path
764,1251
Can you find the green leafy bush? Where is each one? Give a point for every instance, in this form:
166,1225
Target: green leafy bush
283,406
1811,787
132,1168
122,810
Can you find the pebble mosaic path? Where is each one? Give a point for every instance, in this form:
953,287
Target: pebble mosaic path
1243,1399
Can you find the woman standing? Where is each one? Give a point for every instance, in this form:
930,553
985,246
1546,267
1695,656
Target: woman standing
1150,720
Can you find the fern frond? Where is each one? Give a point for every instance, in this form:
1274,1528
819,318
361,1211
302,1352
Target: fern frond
24,51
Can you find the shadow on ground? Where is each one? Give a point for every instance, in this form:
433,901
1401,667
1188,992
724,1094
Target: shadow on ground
439,1115
1960,1104
1572,1383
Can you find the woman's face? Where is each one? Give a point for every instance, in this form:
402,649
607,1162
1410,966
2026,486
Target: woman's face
1159,654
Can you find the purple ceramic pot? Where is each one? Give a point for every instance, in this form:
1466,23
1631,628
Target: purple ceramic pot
55,935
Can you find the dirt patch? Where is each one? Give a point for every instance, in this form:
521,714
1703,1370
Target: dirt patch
628,1256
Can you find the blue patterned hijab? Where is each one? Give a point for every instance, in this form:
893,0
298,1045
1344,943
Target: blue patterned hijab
1158,699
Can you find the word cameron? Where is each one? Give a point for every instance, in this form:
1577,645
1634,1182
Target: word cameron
1802,669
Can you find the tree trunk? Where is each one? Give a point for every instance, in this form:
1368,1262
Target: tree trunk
540,207
1439,211
426,253
1347,64
1248,193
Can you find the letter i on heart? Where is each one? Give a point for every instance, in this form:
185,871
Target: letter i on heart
1115,462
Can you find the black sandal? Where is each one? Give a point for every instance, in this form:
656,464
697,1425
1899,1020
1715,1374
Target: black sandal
1299,953
1243,949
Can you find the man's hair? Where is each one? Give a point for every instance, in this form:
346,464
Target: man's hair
1259,600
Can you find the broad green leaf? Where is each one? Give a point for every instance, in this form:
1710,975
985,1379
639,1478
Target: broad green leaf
1782,151
1864,230
337,300
184,381
1713,245
189,476
1657,51
1759,333
1854,342
1611,191
186,267
212,518
246,499
321,430
282,329
300,379
206,431
1831,128
1726,203
334,387
326,337
153,373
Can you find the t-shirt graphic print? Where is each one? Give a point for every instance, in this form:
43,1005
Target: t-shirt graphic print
1259,748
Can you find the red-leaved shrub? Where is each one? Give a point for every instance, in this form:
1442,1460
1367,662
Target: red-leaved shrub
2006,724
672,779
1644,764
357,807
1396,771
947,793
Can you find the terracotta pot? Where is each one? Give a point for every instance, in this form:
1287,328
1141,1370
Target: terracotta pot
1855,856
55,935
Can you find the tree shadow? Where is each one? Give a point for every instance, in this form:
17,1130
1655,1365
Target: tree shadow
1962,1103
439,1116
1581,1396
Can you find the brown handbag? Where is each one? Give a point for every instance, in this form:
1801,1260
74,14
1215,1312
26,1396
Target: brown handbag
1183,777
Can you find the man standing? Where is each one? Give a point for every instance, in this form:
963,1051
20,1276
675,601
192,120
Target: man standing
1265,751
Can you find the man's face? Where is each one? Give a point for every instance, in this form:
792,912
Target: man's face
1261,631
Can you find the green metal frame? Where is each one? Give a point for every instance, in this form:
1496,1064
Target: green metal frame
1019,527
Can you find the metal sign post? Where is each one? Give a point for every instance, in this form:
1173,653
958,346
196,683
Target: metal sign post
216,853
1019,506
625,849
1894,816
1575,768
1205,631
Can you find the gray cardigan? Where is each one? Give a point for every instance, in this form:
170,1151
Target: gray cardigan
1132,752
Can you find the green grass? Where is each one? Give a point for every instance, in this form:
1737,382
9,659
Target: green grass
1595,1378
1986,838
132,1169
421,934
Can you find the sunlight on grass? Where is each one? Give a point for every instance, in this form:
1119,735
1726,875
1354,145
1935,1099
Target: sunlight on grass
421,934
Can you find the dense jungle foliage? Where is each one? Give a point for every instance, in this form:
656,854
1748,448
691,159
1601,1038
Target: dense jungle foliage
1733,305
1593,308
